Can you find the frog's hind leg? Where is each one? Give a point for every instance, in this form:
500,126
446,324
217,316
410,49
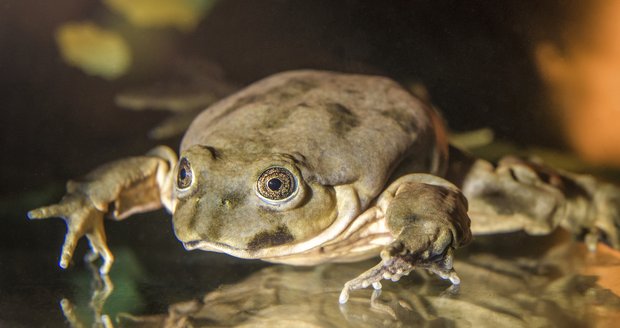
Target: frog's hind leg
516,194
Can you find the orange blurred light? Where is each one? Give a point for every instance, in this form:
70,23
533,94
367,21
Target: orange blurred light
584,83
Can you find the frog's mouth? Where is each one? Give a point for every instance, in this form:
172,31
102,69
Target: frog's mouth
263,253
209,246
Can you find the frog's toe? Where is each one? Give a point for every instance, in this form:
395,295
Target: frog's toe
68,248
607,234
371,277
604,226
97,240
591,239
56,210
444,268
390,268
446,274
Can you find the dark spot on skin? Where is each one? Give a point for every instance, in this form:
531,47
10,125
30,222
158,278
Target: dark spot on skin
401,117
192,221
501,203
214,230
278,116
342,120
207,229
572,190
290,89
266,239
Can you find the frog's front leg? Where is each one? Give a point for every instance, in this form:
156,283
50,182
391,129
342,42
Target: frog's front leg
427,216
120,188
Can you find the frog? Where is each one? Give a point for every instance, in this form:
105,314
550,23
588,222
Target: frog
308,167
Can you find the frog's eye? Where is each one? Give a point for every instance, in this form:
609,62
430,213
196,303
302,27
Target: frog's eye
276,183
185,175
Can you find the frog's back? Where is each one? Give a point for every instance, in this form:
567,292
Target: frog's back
347,128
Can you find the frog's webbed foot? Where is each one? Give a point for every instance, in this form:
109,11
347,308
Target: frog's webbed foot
428,217
123,187
602,221
82,219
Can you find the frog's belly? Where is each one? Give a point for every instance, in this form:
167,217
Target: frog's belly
364,238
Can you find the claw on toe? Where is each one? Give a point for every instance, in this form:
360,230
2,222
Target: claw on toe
105,267
446,273
591,239
454,278
344,295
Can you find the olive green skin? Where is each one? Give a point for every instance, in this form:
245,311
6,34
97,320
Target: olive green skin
327,129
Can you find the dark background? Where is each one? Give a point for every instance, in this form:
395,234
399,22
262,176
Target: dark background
57,122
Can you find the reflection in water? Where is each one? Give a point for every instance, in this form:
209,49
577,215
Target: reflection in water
103,289
498,290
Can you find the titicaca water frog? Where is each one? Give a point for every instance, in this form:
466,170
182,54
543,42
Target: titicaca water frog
306,167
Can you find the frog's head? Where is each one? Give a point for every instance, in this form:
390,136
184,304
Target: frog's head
247,204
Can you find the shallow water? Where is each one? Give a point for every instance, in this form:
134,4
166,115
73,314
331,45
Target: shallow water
508,281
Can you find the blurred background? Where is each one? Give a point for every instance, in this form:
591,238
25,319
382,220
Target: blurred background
541,74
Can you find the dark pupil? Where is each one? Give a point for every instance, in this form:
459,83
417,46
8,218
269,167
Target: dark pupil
183,174
274,184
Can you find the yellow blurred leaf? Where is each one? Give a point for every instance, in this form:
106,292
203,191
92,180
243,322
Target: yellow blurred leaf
181,14
93,49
